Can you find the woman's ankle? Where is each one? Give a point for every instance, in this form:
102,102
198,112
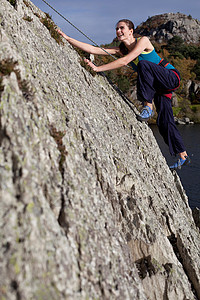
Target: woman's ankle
183,155
149,105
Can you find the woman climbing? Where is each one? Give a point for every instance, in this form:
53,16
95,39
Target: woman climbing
156,80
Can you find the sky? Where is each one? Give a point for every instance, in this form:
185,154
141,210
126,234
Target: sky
97,19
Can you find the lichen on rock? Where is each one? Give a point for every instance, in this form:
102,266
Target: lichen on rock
89,208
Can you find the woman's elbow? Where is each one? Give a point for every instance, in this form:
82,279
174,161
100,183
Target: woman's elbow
92,50
124,62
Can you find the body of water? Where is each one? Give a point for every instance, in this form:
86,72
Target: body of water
189,175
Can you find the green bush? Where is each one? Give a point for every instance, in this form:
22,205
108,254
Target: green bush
12,2
50,25
123,84
196,69
176,111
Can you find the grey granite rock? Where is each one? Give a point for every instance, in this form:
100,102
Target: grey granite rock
196,215
89,208
165,26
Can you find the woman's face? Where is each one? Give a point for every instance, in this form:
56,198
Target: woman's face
123,32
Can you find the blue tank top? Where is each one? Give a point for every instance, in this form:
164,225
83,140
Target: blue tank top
150,56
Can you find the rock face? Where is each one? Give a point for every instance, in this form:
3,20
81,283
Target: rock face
192,89
89,208
164,27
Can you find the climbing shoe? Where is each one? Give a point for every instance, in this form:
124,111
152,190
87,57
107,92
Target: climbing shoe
146,114
181,162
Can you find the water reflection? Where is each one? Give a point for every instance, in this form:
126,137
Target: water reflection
190,175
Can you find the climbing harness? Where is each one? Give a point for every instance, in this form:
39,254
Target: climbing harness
163,63
80,30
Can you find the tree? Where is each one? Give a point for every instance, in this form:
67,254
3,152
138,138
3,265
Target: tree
175,44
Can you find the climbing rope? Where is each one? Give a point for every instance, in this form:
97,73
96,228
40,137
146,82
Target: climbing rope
114,86
77,28
80,30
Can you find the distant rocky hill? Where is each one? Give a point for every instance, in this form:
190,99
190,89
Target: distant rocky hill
164,27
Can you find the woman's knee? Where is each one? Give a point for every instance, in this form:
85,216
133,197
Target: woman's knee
143,64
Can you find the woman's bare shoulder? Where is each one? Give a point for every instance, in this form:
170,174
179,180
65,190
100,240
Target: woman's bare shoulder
146,41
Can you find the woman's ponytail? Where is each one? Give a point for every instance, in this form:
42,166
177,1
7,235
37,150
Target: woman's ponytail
123,48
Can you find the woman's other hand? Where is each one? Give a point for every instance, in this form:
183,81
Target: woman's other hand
91,65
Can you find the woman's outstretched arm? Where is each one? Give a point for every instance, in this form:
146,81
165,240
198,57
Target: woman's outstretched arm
87,47
141,45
